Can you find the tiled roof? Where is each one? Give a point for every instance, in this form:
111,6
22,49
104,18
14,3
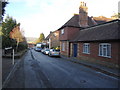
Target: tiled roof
74,21
107,31
102,18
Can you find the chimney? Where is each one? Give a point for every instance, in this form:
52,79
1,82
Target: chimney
83,15
50,31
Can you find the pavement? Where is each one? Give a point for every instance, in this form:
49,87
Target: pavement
8,68
100,68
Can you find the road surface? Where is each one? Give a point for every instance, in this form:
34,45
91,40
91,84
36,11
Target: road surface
37,70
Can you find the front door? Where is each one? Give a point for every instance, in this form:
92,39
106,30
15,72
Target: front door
75,50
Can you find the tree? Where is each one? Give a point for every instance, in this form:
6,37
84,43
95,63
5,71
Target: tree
2,11
3,3
17,35
116,15
7,27
41,38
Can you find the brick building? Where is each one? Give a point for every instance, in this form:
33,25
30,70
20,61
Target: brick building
72,27
97,34
99,44
31,45
53,39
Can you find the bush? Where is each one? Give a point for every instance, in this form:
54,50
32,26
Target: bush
22,46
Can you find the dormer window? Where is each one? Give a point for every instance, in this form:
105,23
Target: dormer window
62,31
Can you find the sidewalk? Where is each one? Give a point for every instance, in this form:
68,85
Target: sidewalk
8,68
97,67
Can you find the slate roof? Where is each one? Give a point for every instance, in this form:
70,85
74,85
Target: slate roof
107,31
74,21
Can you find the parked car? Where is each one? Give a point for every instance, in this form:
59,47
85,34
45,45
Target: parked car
42,50
46,51
54,52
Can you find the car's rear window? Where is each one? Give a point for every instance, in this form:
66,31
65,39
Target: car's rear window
57,50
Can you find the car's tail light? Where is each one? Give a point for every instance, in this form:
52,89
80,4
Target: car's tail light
52,52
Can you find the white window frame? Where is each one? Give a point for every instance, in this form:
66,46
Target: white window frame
105,47
63,46
62,31
86,48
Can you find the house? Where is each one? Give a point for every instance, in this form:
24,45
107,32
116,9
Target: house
72,27
98,44
99,30
53,39
31,45
46,40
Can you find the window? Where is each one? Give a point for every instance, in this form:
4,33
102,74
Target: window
55,34
62,31
105,50
86,48
63,46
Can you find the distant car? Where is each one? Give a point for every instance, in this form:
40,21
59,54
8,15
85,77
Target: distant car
54,52
42,50
38,49
46,51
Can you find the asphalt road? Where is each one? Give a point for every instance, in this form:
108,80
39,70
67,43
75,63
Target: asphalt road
37,70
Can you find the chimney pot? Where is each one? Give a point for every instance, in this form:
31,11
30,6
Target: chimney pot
83,15
81,4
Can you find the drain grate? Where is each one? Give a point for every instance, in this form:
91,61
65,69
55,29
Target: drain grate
83,81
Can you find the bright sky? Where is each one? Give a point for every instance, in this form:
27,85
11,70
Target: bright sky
43,16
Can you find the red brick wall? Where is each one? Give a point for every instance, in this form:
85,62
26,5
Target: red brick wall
63,36
66,52
94,53
69,33
55,39
72,32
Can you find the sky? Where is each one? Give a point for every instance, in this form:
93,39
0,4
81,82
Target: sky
43,16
